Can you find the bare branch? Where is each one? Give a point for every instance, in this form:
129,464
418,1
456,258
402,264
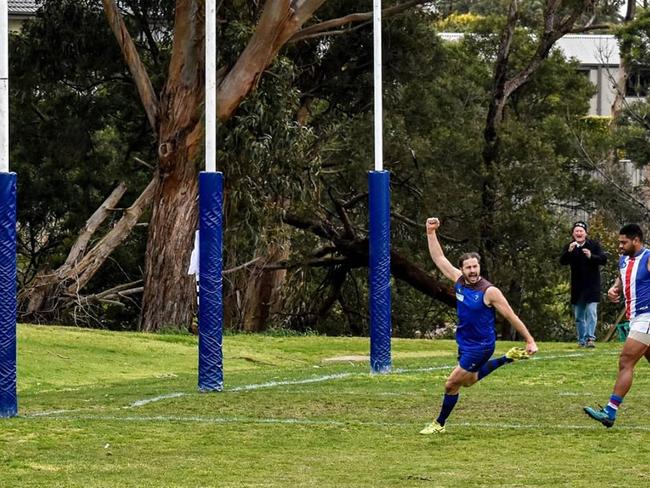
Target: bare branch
406,220
324,262
144,163
92,224
259,53
589,28
330,33
133,61
552,32
343,215
118,289
328,25
354,253
91,262
354,200
242,266
589,160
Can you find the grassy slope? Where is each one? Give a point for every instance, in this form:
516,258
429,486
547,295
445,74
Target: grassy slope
522,426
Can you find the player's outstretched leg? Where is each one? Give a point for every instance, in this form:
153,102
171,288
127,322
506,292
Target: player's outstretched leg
514,354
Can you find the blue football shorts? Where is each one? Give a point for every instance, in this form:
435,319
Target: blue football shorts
472,359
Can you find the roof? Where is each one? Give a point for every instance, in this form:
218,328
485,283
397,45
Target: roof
591,49
23,7
588,49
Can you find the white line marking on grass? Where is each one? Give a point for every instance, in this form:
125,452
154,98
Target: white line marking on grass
422,370
197,419
574,355
316,379
320,379
140,403
270,384
333,423
489,425
49,413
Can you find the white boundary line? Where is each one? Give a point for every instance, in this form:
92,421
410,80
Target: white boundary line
316,379
320,379
140,403
325,422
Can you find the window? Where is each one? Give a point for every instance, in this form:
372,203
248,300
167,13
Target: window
638,84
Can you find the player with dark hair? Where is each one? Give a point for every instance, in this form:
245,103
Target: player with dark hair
634,283
477,299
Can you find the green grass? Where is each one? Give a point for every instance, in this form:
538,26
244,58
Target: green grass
522,426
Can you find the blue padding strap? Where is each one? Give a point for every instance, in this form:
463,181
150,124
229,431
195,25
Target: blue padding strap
8,398
210,281
380,300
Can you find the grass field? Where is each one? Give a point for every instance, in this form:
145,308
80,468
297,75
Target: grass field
103,409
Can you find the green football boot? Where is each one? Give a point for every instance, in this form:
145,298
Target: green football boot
517,353
433,428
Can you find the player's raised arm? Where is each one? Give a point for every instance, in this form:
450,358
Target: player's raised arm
435,249
495,298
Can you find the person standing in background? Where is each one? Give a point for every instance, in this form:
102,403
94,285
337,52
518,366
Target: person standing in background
585,256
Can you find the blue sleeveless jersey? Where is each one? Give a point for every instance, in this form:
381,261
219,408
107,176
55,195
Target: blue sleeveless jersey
635,279
475,319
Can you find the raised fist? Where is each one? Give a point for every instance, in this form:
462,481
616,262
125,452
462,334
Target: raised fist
432,224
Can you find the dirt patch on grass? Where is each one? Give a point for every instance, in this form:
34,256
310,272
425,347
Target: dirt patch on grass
340,359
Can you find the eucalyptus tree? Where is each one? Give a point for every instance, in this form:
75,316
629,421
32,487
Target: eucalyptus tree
174,114
295,82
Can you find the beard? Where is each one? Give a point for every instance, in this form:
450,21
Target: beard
472,277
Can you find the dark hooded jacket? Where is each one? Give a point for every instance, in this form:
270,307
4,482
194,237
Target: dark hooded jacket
585,272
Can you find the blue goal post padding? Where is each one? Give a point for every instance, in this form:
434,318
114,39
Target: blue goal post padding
379,250
210,281
8,397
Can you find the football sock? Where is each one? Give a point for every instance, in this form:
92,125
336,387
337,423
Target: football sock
612,407
491,365
448,404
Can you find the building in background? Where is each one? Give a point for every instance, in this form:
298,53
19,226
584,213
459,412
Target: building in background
20,11
599,60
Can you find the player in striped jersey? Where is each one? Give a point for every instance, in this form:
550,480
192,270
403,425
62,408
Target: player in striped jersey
634,283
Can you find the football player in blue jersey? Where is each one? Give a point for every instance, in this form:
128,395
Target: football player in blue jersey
477,300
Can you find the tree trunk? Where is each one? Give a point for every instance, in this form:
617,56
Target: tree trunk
262,292
490,156
623,70
176,119
169,291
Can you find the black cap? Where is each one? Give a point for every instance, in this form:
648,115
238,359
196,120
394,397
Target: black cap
579,223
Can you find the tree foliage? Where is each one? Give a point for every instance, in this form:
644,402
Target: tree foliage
299,146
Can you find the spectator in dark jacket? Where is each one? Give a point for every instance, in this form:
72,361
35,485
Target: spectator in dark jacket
584,256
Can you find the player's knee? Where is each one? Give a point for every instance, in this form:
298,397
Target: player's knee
625,362
452,387
470,380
